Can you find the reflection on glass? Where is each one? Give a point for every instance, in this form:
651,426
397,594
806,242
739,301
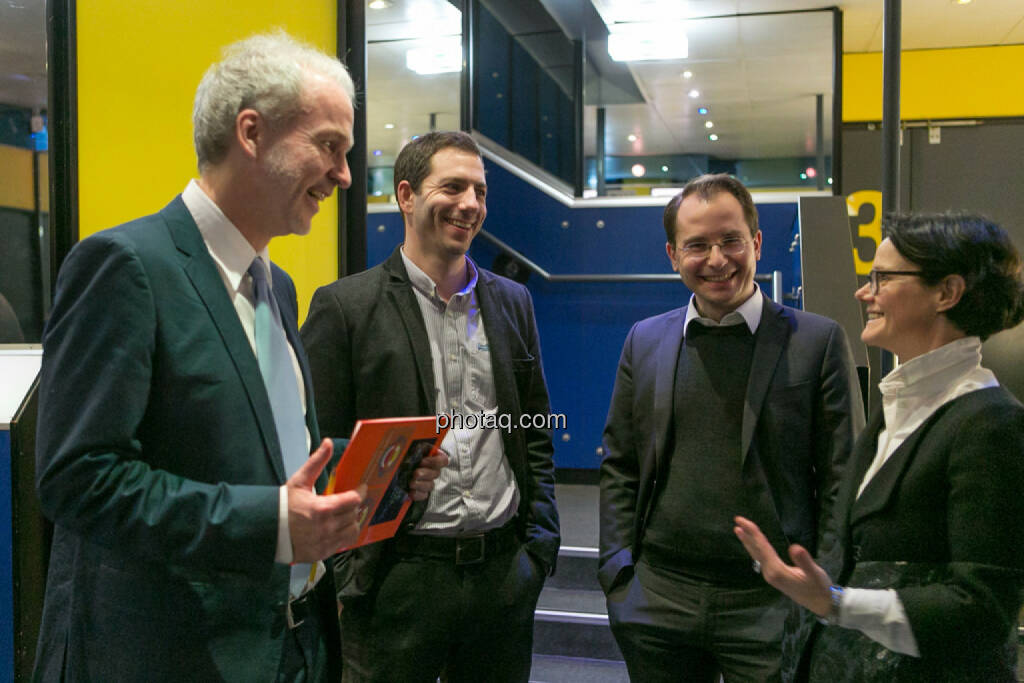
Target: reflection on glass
24,199
743,101
414,65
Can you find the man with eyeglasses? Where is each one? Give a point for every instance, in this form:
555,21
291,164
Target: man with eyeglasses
729,405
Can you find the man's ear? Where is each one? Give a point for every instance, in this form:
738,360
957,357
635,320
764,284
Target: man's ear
670,250
250,131
951,290
405,196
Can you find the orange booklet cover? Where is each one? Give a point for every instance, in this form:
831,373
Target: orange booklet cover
382,454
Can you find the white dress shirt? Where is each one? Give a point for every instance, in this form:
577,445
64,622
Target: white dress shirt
748,312
233,255
910,394
477,490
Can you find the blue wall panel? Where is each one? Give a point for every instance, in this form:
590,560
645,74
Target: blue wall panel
583,325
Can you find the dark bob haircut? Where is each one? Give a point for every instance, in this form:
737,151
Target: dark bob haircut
976,249
413,162
707,187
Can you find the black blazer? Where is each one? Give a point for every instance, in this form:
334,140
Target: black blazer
159,464
802,412
370,357
948,502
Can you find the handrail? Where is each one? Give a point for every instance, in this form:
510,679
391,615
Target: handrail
774,278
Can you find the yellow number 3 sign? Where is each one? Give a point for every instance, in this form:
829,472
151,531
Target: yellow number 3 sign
865,210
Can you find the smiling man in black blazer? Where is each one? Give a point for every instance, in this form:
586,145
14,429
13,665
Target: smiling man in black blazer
729,403
429,332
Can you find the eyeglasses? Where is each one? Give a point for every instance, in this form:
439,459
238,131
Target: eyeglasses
876,277
730,246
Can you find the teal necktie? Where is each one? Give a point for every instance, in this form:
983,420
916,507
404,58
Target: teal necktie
282,389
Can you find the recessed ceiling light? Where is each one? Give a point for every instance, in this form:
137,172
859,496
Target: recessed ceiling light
703,111
694,93
631,137
389,126
687,74
709,124
638,170
713,137
379,4
664,169
961,2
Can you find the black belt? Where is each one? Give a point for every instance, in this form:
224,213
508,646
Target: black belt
467,549
301,608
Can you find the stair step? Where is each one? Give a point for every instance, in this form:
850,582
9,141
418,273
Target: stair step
572,600
577,569
574,634
558,669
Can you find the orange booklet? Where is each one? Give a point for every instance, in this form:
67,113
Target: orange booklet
383,454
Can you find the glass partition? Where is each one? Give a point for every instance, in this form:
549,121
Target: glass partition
751,95
414,67
24,196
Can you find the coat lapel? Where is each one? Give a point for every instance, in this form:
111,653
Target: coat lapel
882,486
404,299
664,383
770,340
202,272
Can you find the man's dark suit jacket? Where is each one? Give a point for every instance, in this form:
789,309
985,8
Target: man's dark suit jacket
941,522
370,357
159,464
801,414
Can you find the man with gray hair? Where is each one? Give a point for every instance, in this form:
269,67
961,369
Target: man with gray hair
176,408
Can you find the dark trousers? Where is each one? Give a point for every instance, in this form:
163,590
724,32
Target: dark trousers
310,653
427,617
674,628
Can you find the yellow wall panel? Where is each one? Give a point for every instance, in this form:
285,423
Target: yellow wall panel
16,178
976,82
139,64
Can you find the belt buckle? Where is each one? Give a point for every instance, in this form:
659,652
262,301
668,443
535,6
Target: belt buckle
289,614
469,550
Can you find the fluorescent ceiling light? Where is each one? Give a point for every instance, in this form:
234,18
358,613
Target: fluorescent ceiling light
642,41
438,56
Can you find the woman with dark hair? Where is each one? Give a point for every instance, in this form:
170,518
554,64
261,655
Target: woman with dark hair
930,561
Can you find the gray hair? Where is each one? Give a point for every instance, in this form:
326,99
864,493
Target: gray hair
264,72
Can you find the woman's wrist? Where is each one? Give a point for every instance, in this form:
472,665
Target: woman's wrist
831,616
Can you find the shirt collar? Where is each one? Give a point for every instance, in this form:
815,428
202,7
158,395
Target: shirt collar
228,247
748,312
934,371
421,281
